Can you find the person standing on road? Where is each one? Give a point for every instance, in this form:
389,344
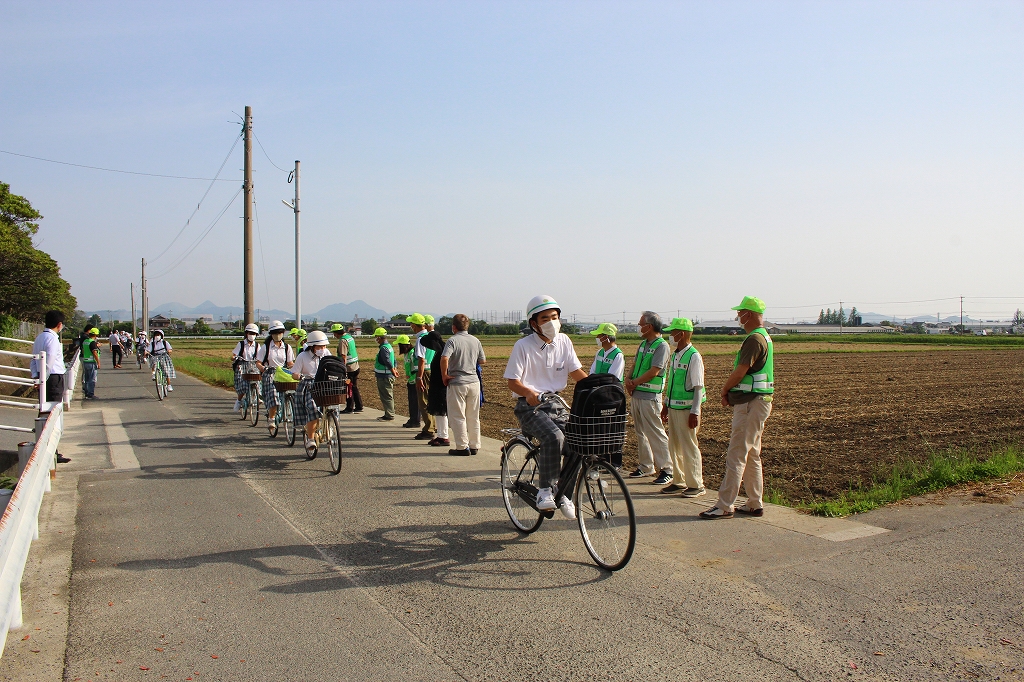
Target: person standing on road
540,363
276,353
409,363
347,352
243,354
749,391
437,392
681,413
421,359
90,363
307,414
385,372
160,352
48,341
645,385
116,350
609,358
461,356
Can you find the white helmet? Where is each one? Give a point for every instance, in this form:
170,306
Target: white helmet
317,338
539,304
276,326
252,327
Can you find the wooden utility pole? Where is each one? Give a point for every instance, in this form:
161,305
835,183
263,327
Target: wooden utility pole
145,300
135,331
247,219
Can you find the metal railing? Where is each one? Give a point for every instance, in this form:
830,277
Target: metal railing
41,403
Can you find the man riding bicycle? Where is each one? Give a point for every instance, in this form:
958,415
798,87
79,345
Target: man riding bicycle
542,363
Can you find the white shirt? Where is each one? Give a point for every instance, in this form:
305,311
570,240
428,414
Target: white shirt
158,346
694,374
419,351
115,340
277,356
618,366
306,364
246,350
48,341
542,367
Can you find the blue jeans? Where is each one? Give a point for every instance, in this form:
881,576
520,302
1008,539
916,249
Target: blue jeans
89,378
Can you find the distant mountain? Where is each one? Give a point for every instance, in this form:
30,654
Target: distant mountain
347,311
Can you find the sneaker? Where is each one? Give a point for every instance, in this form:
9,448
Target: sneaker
440,442
567,507
745,511
693,492
386,418
715,513
460,453
411,425
672,488
358,410
424,435
169,388
238,406
61,459
310,446
347,410
473,451
545,499
640,473
663,478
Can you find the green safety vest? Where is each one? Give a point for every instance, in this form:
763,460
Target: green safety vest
603,361
351,357
763,382
410,370
678,397
644,355
379,368
87,351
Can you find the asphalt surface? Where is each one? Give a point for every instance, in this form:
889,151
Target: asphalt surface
226,555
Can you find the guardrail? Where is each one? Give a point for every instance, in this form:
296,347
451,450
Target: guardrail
18,380
19,525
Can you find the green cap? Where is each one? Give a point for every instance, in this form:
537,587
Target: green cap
302,334
682,324
751,303
380,331
336,327
95,331
402,338
429,319
416,318
606,328
294,331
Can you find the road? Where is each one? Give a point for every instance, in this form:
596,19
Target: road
202,549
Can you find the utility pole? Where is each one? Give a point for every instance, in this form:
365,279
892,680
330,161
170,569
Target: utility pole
295,208
135,330
840,317
961,314
247,219
145,300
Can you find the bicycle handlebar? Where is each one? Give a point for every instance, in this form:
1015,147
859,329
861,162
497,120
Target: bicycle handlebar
549,397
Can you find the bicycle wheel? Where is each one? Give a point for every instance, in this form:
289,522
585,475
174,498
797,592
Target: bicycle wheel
519,472
334,441
288,417
604,510
245,406
157,379
254,402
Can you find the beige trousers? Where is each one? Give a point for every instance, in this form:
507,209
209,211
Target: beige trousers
464,415
743,459
684,449
651,436
421,398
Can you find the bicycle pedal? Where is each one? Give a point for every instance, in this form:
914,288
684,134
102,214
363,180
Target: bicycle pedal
550,513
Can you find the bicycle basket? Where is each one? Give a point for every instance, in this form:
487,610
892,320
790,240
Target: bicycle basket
599,436
328,392
249,371
284,386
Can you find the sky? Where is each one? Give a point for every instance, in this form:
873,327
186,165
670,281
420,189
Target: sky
462,156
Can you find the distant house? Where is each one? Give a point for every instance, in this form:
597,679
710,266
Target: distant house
159,322
397,327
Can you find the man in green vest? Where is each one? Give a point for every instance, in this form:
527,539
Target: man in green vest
90,363
609,358
405,349
645,385
422,357
348,354
385,371
749,391
684,395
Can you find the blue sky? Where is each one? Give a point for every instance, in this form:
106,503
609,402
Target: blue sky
466,156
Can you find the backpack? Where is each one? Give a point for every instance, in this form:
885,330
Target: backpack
330,370
597,420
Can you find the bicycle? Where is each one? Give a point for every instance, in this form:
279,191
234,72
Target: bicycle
160,378
140,356
285,411
329,395
604,508
251,399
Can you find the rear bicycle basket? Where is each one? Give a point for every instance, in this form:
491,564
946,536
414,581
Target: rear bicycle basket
249,371
328,392
596,436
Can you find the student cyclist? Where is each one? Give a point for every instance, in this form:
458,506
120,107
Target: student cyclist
244,352
307,414
609,358
160,352
276,353
542,363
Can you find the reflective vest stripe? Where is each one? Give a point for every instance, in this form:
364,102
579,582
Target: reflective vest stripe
644,356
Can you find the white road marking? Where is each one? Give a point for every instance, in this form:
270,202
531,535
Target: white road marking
122,455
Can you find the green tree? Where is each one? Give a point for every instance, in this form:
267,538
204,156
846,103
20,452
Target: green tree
444,324
200,328
1018,317
368,326
30,281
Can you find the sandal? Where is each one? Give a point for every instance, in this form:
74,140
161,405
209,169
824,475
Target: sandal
715,513
746,511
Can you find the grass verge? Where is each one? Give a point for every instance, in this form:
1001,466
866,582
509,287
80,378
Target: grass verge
210,370
942,470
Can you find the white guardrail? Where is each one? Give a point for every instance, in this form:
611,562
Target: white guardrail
19,525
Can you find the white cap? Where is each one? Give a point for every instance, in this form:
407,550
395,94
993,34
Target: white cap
252,327
317,338
539,304
276,326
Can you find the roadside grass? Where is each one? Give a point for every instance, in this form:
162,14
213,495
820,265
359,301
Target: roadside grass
214,371
909,479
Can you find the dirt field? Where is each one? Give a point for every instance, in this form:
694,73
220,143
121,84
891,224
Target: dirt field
839,417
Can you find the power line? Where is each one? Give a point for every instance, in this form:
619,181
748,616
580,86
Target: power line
112,170
201,237
187,222
268,155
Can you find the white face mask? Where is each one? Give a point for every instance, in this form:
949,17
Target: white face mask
550,328
598,339
277,336
319,351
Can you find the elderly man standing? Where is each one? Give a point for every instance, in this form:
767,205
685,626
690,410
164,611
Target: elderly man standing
461,356
421,363
646,382
684,396
749,390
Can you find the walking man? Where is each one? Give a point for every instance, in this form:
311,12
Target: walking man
681,413
48,341
645,385
421,361
347,352
749,391
461,356
385,371
609,358
90,363
116,350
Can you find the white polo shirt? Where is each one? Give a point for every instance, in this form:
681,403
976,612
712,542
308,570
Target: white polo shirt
542,367
306,364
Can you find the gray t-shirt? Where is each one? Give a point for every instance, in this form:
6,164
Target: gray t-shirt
464,353
659,360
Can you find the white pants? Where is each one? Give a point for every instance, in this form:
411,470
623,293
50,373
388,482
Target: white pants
442,425
685,451
464,413
651,436
743,459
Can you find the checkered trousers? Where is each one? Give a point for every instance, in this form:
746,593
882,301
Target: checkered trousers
546,423
305,409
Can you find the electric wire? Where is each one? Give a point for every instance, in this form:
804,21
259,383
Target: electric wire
203,198
113,170
268,155
200,239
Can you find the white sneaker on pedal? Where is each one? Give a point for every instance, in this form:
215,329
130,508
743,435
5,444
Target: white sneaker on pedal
238,406
169,388
545,499
567,507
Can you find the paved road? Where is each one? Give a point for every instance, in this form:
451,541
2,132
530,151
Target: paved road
225,555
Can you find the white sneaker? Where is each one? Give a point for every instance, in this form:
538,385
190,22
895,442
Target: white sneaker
169,388
567,507
545,499
238,406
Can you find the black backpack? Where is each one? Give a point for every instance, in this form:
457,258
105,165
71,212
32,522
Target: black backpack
597,420
331,370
